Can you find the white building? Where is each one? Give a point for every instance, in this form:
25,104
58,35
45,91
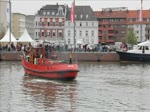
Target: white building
86,27
137,31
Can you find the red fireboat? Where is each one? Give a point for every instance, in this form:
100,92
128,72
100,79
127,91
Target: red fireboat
35,63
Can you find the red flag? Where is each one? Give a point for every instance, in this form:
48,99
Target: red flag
72,16
141,10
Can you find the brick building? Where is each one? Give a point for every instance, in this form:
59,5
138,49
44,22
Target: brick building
49,22
114,24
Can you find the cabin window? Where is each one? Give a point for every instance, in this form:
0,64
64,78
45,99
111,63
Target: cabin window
146,48
140,48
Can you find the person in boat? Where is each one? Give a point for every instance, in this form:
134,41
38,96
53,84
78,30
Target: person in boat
124,46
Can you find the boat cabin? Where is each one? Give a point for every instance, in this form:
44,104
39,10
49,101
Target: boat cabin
142,48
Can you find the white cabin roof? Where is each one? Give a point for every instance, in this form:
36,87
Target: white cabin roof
146,43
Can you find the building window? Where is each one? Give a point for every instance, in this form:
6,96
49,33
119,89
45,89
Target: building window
68,41
54,34
86,33
48,23
53,13
36,23
80,23
92,23
36,34
68,23
130,19
87,16
48,13
75,16
48,33
42,23
60,23
44,13
92,33
60,34
80,33
81,16
53,23
68,33
42,33
86,23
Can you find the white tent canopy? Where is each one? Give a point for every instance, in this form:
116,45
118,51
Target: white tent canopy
6,38
25,37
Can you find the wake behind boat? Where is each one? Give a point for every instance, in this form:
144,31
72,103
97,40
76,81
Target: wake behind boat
35,63
140,53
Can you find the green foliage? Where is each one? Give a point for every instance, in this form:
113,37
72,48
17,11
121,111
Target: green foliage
131,38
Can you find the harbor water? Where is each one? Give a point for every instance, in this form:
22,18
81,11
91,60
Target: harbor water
99,87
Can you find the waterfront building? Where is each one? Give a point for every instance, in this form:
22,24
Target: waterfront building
140,28
86,27
20,22
114,24
111,25
49,23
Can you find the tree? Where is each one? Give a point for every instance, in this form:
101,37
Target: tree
131,38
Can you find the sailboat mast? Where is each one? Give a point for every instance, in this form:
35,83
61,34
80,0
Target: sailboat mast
9,20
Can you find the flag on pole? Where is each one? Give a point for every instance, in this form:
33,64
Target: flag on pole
8,12
72,16
140,18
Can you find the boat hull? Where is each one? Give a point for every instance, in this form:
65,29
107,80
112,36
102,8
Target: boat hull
126,56
51,70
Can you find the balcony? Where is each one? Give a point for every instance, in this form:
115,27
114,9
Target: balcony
147,35
147,28
100,34
111,34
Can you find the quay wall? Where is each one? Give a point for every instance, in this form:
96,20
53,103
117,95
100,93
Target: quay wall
90,56
80,56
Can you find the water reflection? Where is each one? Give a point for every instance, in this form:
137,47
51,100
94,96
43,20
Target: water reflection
51,95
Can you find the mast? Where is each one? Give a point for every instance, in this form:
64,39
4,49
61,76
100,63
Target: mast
141,22
9,20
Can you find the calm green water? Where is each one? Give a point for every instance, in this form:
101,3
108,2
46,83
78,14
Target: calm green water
99,87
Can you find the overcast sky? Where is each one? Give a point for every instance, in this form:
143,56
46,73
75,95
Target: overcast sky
30,7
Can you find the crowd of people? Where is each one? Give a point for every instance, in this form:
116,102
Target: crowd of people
12,47
62,48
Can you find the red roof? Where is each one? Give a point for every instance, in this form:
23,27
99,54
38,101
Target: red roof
113,14
136,13
122,14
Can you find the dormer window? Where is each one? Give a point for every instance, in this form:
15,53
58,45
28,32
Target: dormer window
87,16
48,13
53,13
44,13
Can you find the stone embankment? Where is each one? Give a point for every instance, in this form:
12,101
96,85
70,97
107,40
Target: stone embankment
80,56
